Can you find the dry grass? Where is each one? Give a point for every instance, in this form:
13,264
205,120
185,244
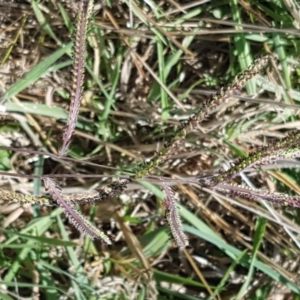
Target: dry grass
179,52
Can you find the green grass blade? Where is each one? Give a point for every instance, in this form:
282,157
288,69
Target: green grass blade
43,22
201,230
242,46
260,227
36,72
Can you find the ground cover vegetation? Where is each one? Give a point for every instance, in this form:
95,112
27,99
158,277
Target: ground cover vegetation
116,127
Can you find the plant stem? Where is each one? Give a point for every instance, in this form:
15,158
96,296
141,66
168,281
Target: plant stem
208,107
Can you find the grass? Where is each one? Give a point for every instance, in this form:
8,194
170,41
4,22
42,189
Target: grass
149,66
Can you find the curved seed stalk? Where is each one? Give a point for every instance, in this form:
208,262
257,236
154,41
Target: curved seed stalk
22,199
254,194
209,106
286,148
84,13
75,217
173,218
91,196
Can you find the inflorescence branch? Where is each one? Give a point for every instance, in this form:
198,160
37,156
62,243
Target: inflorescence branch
82,20
285,148
208,107
282,149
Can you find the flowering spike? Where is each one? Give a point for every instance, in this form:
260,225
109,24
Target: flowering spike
254,194
84,12
173,218
92,196
75,217
209,106
282,149
22,199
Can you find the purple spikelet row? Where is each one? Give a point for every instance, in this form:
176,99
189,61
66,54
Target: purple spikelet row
96,195
75,217
282,149
173,218
84,12
254,194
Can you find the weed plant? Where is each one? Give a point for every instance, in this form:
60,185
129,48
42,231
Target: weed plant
205,159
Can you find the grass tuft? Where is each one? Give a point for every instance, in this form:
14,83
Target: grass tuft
149,67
